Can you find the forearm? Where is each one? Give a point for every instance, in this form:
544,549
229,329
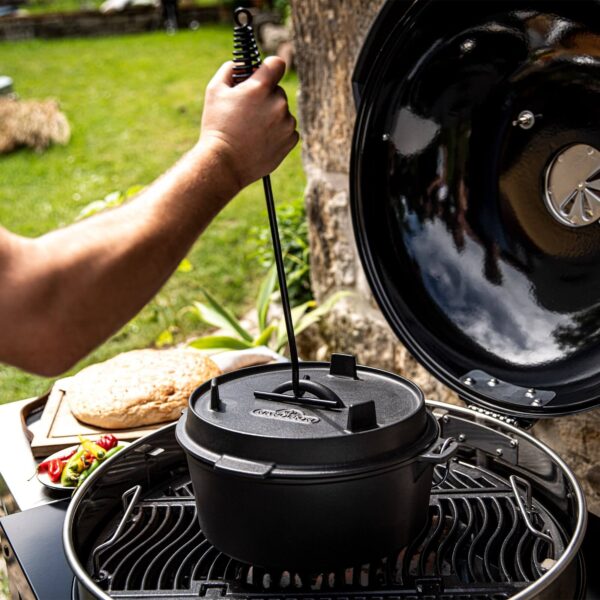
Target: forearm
66,292
81,283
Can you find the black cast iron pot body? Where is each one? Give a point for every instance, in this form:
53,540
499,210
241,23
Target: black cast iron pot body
279,484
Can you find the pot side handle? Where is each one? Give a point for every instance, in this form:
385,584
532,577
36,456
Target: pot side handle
442,452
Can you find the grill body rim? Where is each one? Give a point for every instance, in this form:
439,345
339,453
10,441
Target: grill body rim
542,588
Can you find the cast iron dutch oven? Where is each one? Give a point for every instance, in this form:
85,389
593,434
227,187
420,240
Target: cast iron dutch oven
343,473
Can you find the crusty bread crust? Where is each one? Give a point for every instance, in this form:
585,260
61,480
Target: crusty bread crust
137,388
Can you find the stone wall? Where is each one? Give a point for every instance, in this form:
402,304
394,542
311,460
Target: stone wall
577,440
328,35
94,23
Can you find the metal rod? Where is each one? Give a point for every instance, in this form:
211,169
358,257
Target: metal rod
285,299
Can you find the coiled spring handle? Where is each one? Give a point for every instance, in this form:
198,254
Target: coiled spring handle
246,57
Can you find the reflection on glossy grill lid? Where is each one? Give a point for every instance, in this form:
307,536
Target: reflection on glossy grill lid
476,194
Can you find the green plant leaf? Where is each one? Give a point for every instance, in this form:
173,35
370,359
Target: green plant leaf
305,319
185,266
265,336
114,199
164,338
133,190
297,313
218,316
316,315
264,297
188,311
297,275
91,209
219,342
109,201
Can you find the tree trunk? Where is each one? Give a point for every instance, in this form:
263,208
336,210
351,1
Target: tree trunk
328,35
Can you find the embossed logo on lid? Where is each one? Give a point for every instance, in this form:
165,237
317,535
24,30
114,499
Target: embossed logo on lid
293,415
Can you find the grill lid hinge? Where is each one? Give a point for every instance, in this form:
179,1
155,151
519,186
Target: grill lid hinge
495,389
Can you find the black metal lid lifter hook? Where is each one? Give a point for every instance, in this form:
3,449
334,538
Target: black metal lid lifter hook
246,60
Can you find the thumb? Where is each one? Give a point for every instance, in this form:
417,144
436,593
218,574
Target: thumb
224,75
270,72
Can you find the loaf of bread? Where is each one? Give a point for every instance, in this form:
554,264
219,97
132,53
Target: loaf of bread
137,388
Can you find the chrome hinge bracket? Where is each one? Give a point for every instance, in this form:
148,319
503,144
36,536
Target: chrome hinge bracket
492,442
495,389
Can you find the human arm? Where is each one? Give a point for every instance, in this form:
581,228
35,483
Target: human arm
64,293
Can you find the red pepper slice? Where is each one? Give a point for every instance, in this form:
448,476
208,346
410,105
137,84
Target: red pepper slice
55,469
107,441
44,466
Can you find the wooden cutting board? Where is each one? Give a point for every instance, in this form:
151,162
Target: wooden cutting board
58,428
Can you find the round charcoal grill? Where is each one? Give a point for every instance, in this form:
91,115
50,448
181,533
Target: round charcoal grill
479,542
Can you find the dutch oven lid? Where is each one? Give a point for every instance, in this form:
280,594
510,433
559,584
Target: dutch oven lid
475,184
367,415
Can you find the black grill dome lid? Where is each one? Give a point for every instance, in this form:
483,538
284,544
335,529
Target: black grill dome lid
367,416
475,194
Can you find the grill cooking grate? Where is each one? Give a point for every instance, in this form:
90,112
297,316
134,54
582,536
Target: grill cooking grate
476,546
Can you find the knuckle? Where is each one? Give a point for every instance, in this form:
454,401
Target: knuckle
281,107
259,84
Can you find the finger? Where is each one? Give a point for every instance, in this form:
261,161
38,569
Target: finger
289,123
224,75
292,141
281,92
270,72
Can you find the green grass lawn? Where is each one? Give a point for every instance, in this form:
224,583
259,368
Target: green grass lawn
134,104
52,6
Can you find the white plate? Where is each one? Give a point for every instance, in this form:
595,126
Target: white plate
44,478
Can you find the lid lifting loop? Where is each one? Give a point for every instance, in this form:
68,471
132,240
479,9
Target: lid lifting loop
324,397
